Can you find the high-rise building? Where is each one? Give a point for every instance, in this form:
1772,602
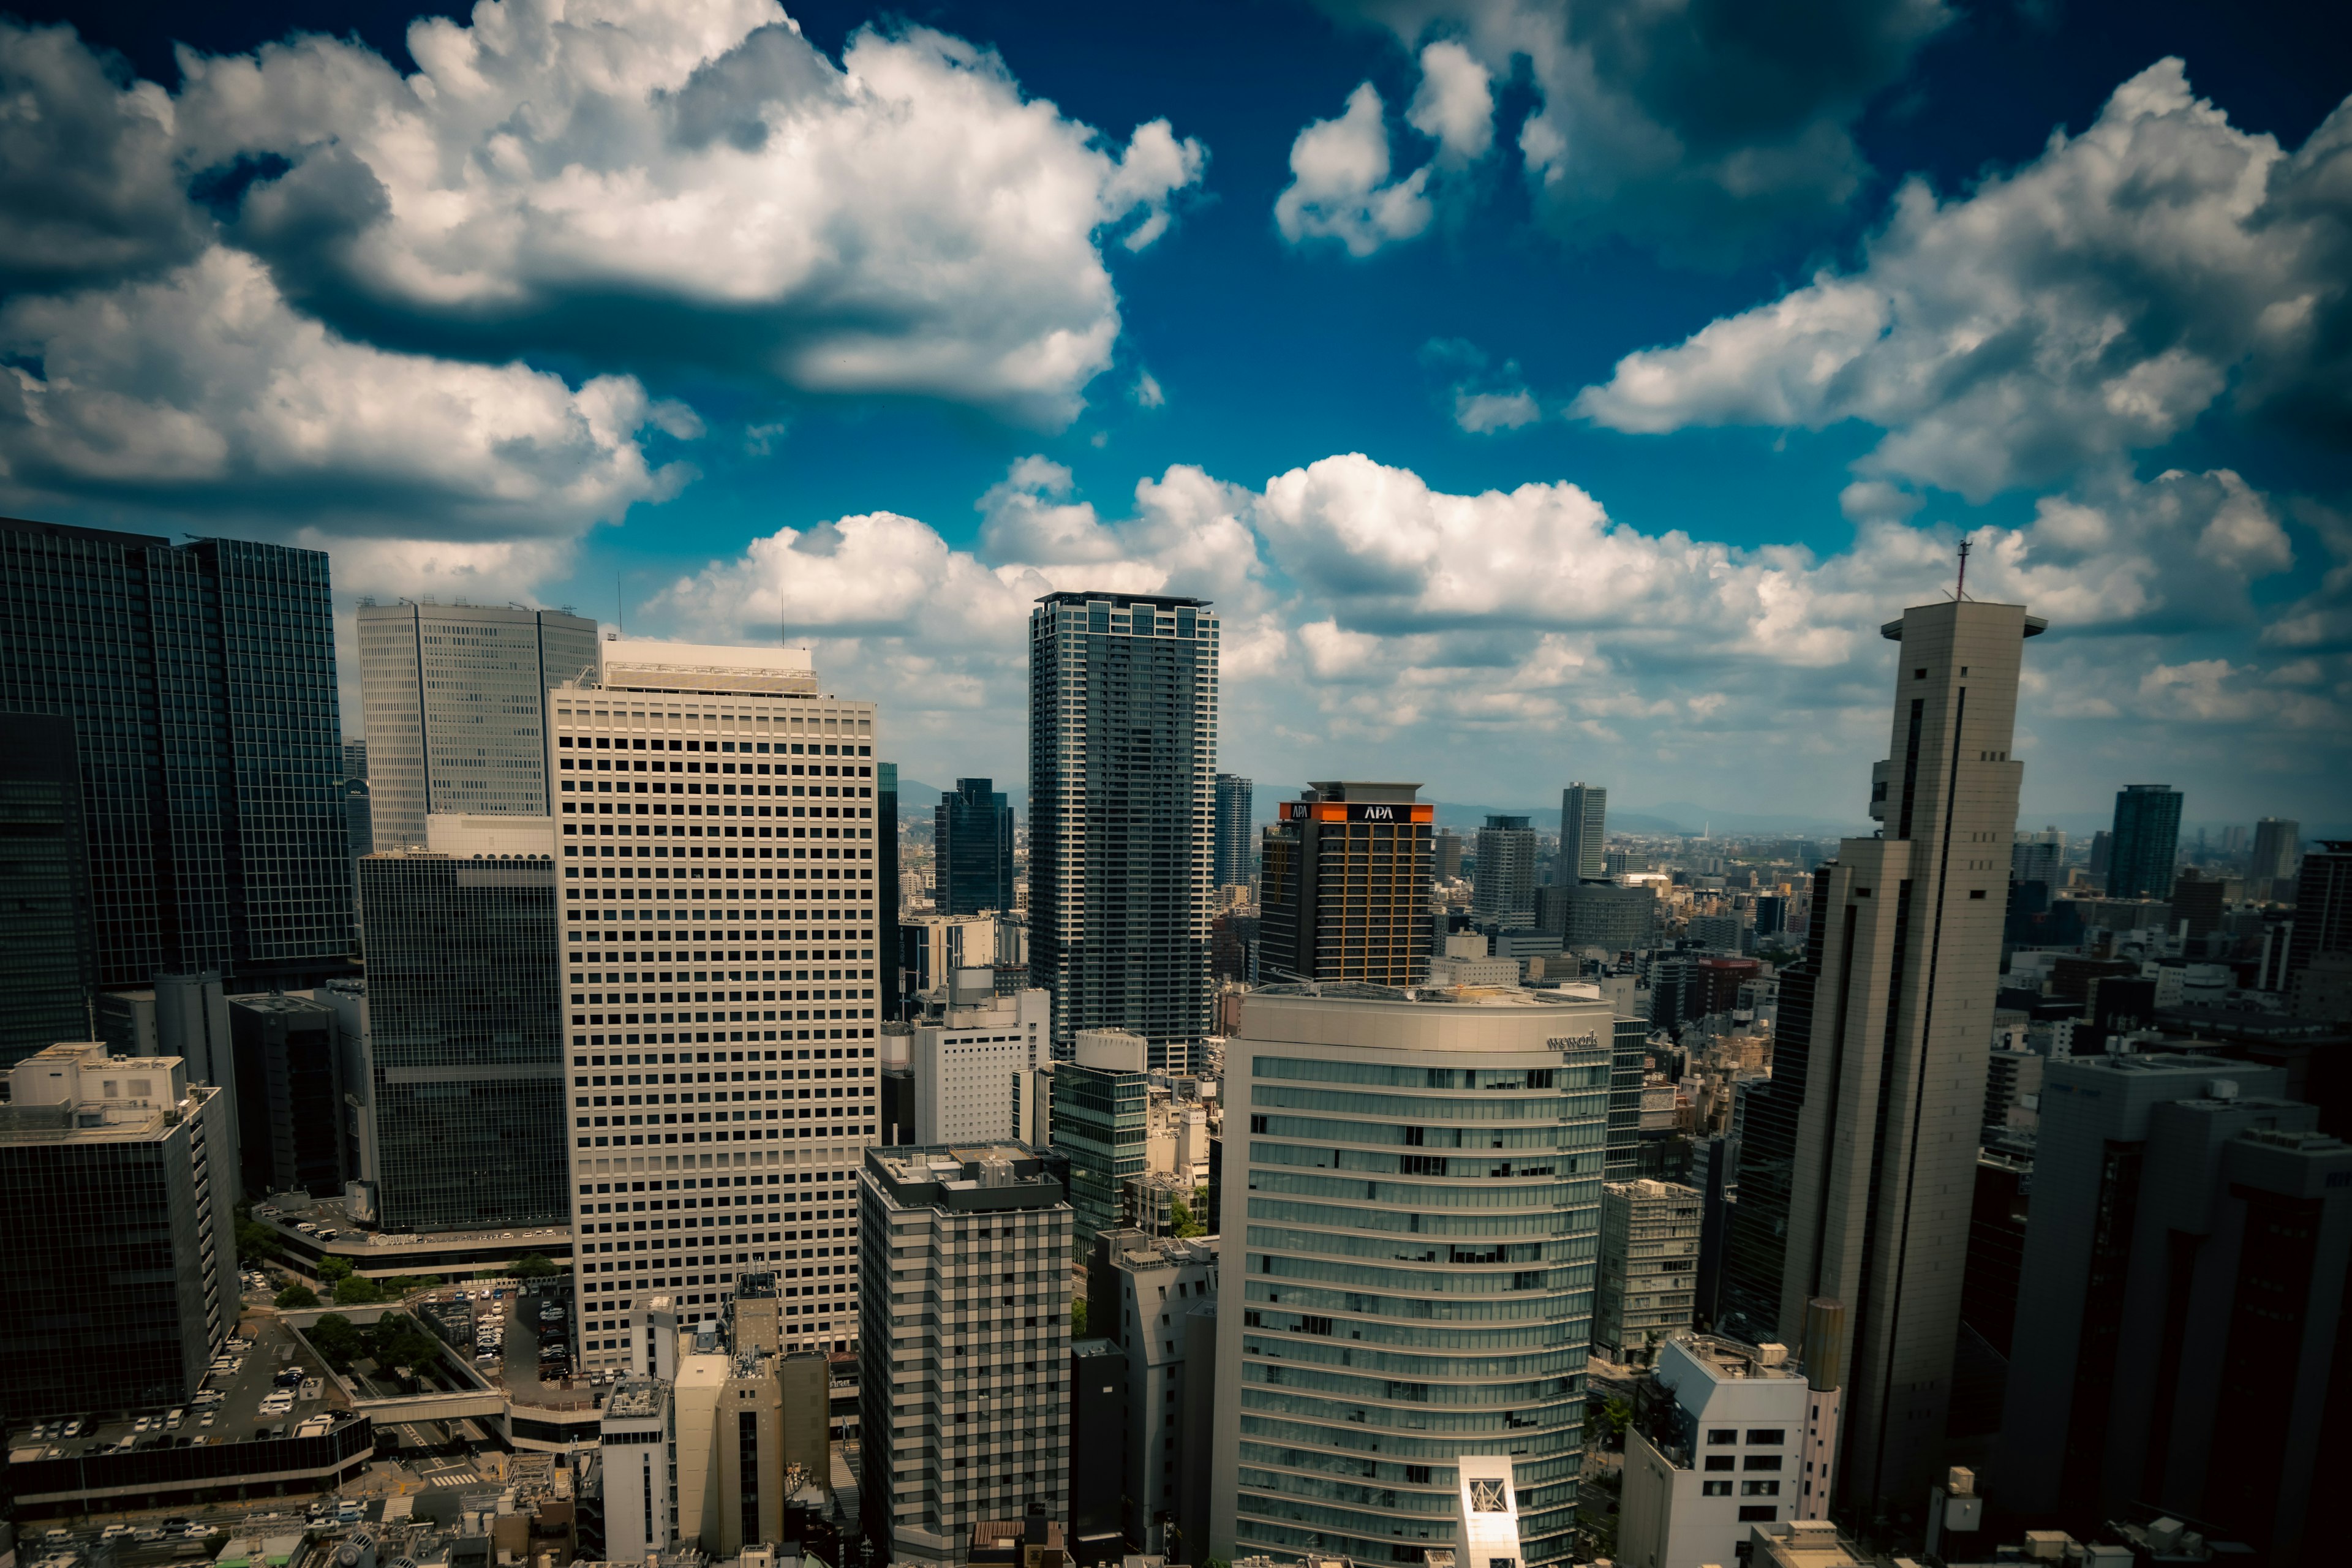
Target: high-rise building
2038,856
1445,850
1649,1264
1583,825
1143,1287
973,1062
1504,888
1099,1121
973,835
1235,831
886,878
1122,764
2179,1305
2278,842
355,760
455,697
49,946
1905,960
2322,908
1612,919
721,968
2146,843
1344,891
200,680
1420,1176
290,1094
466,1021
964,1349
117,1177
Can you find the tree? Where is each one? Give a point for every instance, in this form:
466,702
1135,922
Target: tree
335,1338
409,1284
334,1270
397,1341
533,1265
1181,1213
296,1298
358,1291
256,1242
1078,1317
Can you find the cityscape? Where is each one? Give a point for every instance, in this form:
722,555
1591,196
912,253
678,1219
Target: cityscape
494,1084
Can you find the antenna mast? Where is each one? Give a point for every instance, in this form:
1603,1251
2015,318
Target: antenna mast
1960,589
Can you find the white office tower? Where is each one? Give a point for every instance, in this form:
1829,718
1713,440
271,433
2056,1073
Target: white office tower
972,1062
715,819
1884,1167
454,700
965,1354
1407,1267
635,1459
1122,816
1717,1445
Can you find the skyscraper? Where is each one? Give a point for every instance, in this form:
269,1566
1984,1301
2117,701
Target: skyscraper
2037,857
2277,842
749,846
1122,762
2147,841
199,680
1234,829
972,837
465,1019
1583,822
1504,888
1884,1170
455,698
1391,1268
2322,908
49,948
1345,891
961,1374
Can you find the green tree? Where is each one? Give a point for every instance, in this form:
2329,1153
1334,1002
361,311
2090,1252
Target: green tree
533,1265
296,1297
409,1284
334,1270
335,1338
1078,1317
1181,1213
357,1290
256,1242
398,1341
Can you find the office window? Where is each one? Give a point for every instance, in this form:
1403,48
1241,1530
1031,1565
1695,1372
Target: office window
1721,1462
1717,1436
1759,1489
1762,1462
1715,1488
1772,1435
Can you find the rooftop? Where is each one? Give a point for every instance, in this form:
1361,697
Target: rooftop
1121,600
1426,995
635,1399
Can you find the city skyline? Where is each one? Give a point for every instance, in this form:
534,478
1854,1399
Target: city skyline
1472,423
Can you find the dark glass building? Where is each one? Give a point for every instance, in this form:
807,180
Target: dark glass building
1629,1058
972,832
1122,762
119,1183
1234,798
885,851
289,1096
466,1017
2147,841
48,954
1344,894
200,681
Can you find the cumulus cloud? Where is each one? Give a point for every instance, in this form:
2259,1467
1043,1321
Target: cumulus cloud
2091,304
677,185
1700,129
1454,104
1340,187
202,392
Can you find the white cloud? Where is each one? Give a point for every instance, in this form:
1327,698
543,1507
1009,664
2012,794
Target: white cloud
683,183
2092,302
1689,128
1455,105
201,391
1147,391
1480,411
1340,189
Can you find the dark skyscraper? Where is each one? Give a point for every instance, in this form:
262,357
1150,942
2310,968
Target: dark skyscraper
1504,889
972,839
49,955
1122,760
466,1015
2147,841
2277,842
200,680
1235,807
1583,825
1344,892
886,862
2323,907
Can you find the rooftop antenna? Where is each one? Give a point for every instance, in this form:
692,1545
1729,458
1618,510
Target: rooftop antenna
1960,589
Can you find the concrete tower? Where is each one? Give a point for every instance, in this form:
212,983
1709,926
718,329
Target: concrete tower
1901,1012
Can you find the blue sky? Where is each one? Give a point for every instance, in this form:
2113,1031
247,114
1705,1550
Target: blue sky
1543,390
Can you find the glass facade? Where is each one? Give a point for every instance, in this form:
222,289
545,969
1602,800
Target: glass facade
465,1013
200,680
289,1096
49,955
454,700
1416,1281
121,1258
1122,759
2146,842
1234,830
1099,1121
973,836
